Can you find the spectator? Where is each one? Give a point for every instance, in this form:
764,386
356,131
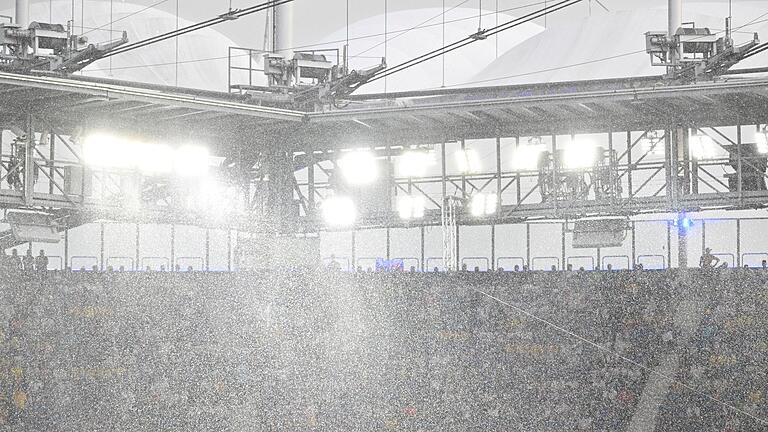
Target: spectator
764,264
517,268
94,268
190,269
333,265
609,267
28,262
177,268
477,269
5,262
41,262
121,268
708,260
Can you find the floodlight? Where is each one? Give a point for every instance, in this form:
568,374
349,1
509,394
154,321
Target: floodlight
483,205
653,144
761,140
214,199
359,167
410,207
191,161
155,159
579,155
103,150
338,211
701,146
527,157
414,163
468,161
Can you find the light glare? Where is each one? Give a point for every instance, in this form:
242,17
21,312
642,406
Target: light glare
702,146
483,205
359,167
527,157
761,140
338,211
410,207
468,161
415,163
579,155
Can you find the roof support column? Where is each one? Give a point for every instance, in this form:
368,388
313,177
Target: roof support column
22,13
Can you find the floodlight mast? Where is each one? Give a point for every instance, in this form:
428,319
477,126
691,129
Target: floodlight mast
675,11
22,13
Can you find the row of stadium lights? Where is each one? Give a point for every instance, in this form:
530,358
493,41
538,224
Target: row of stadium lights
188,162
358,167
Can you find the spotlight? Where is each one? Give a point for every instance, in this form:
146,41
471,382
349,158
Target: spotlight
214,199
683,222
338,211
483,205
701,146
527,157
410,207
579,155
653,144
191,161
359,167
155,159
415,163
102,150
761,140
468,161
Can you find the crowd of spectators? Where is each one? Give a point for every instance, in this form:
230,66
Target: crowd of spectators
330,350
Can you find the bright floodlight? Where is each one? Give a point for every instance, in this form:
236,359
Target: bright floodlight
527,157
483,205
468,161
155,159
761,139
701,146
338,211
410,207
103,150
414,163
214,199
191,161
579,155
359,167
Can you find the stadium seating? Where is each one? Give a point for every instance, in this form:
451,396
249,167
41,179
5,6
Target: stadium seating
544,351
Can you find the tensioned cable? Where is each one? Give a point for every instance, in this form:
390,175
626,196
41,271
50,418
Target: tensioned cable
584,63
418,26
481,35
615,354
206,59
368,36
125,17
195,27
208,23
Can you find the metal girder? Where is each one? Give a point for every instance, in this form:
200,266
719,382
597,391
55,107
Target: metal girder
111,91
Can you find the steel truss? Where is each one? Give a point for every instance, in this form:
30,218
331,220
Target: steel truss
650,182
283,161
